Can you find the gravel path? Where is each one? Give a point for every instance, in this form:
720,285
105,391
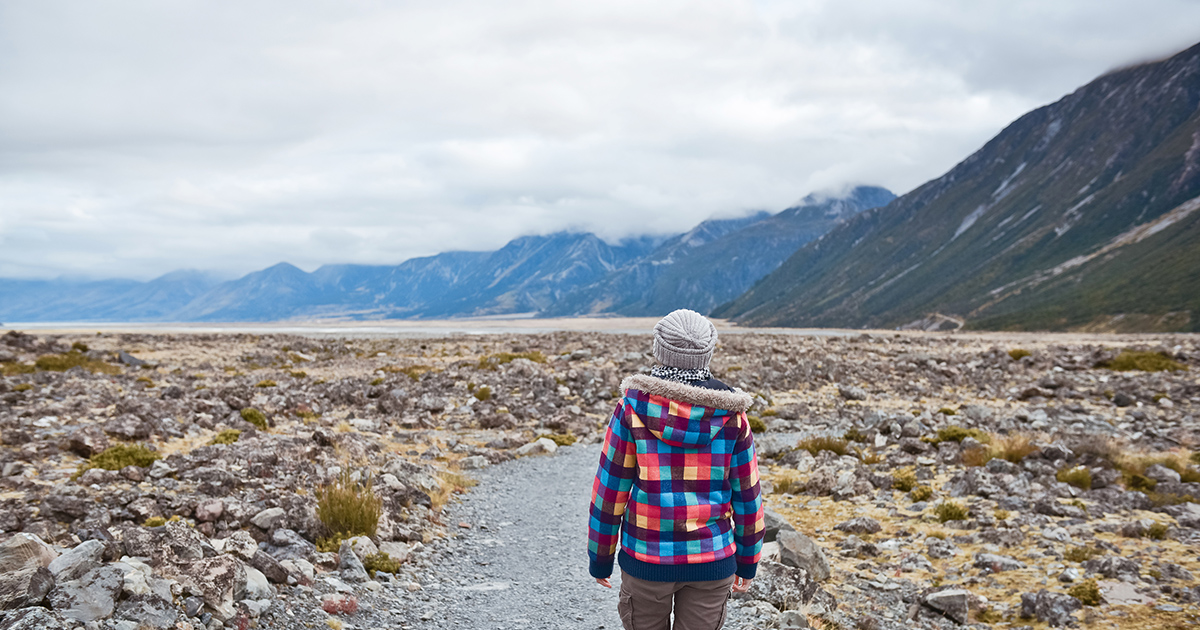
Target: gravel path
523,562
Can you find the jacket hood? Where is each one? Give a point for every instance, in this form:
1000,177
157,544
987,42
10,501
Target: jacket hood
682,415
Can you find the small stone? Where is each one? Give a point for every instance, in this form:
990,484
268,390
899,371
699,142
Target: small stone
269,518
210,510
1056,609
860,525
997,563
241,544
474,462
852,392
351,567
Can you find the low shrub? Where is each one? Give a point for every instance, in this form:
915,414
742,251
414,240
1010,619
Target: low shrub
298,374
265,383
562,439
869,457
381,562
1087,592
13,369
977,456
1082,553
904,479
449,483
348,508
228,436
74,358
1157,531
770,412
1130,360
483,393
255,417
22,387
492,361
119,456
155,521
950,511
1097,446
854,435
921,493
79,346
958,434
1079,476
756,424
1019,353
375,382
948,411
815,445
1139,483
1163,499
1001,515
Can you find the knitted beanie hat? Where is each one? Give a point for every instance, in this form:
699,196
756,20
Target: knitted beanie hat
684,339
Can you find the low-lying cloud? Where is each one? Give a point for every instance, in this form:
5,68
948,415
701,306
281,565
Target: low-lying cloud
141,137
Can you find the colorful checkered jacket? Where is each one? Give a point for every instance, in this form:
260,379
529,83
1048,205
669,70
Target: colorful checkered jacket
678,482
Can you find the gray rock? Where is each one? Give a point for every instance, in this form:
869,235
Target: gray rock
87,441
997,563
241,544
269,567
941,549
1114,567
792,620
220,581
474,462
397,551
270,518
184,542
257,585
1056,609
86,556
798,550
859,525
130,360
33,618
953,602
148,610
24,549
25,586
852,392
540,445
350,565
1161,473
1069,575
210,510
93,596
773,523
128,427
784,587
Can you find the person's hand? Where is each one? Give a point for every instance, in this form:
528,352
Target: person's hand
740,584
604,582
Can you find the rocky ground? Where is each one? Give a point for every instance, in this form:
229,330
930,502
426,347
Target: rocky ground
913,479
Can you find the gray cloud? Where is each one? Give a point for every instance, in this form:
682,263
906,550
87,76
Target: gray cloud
141,137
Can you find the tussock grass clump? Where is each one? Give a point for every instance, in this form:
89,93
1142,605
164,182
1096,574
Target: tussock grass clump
449,483
562,439
1016,354
1139,483
347,508
1013,448
411,371
854,435
298,374
904,479
788,482
815,445
950,511
1130,360
948,411
266,382
492,361
1082,554
868,456
1087,592
772,412
977,456
1178,461
74,358
921,493
1079,476
958,434
756,424
1163,499
1157,531
255,417
119,456
482,393
228,436
1001,515
381,562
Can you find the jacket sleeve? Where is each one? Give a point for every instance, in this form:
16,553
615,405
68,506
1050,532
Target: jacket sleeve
748,528
610,493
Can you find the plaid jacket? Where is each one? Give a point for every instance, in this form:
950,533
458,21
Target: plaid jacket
678,482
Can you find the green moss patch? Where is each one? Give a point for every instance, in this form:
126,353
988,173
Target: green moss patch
255,417
1130,360
118,457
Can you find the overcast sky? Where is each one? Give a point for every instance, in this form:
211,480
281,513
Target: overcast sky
137,138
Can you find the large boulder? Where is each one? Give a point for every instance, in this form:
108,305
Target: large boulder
86,556
952,602
798,550
93,596
25,586
1055,609
789,587
32,618
24,549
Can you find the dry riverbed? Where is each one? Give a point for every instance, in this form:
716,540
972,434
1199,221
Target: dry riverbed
941,480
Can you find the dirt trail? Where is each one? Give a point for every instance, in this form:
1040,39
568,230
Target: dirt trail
523,563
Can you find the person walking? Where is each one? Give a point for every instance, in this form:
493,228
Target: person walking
677,488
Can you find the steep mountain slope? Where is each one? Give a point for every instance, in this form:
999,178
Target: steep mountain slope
714,263
983,242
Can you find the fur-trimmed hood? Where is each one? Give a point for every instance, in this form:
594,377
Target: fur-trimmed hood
699,415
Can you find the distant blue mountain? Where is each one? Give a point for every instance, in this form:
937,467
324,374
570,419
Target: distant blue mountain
558,274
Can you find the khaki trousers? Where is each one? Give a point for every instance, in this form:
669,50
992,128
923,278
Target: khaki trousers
645,605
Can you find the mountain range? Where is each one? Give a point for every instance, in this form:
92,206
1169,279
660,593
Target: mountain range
1080,215
557,274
